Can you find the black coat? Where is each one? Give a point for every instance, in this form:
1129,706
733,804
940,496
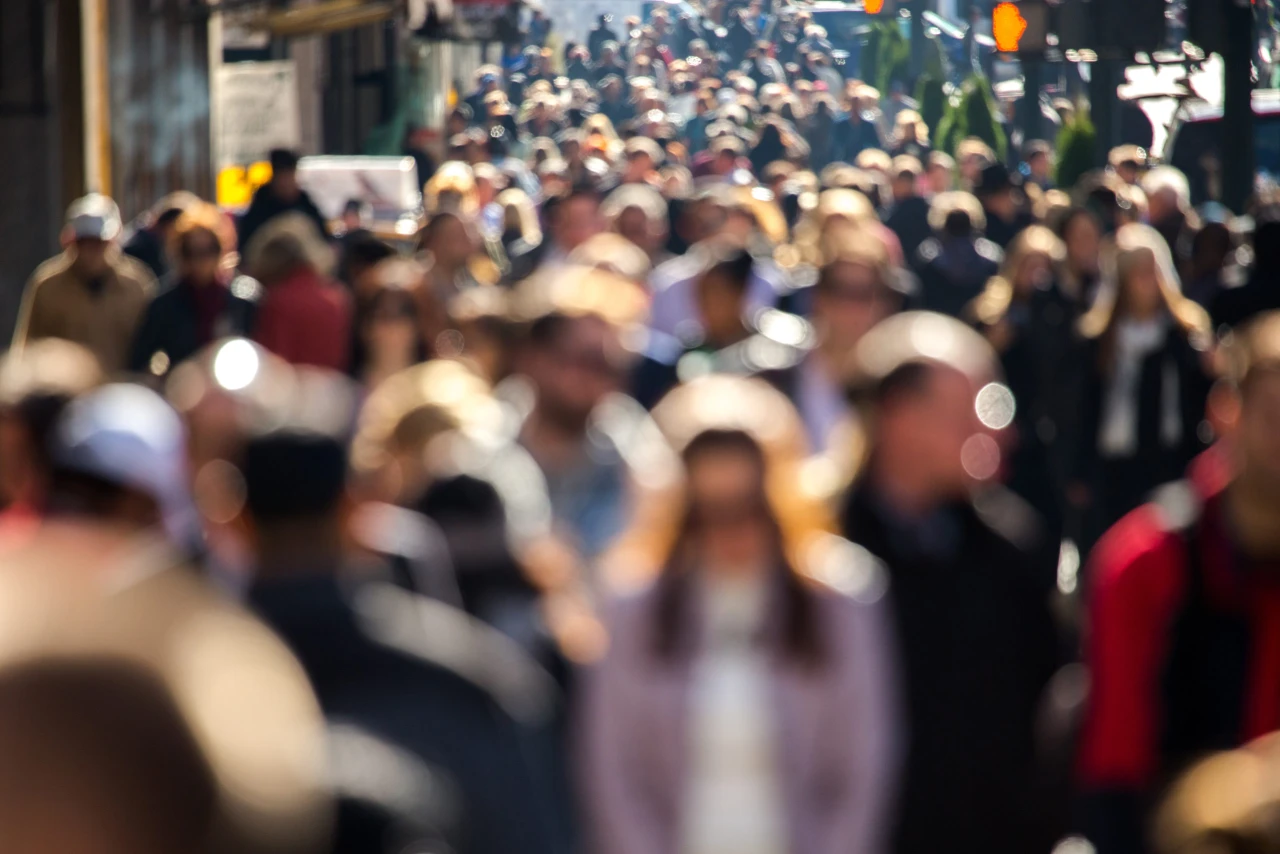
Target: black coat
1120,485
954,271
978,646
170,325
909,219
266,206
386,662
145,245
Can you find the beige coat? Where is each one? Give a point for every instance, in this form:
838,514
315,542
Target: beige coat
59,304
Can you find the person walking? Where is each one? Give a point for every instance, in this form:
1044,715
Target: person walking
741,706
91,293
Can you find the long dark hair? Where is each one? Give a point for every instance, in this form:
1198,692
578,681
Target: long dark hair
800,636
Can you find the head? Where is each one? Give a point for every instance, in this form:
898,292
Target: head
284,174
1168,194
199,254
1039,155
639,214
286,246
93,225
1210,249
957,216
576,218
1031,260
942,172
388,325
729,527
853,294
1250,396
1082,234
449,240
906,175
354,215
574,363
721,297
917,378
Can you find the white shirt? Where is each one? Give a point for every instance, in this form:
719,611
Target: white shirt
734,802
1135,341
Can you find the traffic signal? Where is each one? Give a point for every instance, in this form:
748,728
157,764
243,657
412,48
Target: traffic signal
873,7
1021,27
1007,26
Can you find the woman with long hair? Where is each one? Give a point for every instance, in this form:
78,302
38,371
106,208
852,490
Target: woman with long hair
741,706
1081,234
1031,324
1146,384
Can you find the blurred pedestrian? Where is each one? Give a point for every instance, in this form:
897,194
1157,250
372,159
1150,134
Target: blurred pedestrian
90,293
150,242
280,195
1146,380
1182,647
734,685
955,264
1002,201
1259,294
970,601
908,217
303,316
202,303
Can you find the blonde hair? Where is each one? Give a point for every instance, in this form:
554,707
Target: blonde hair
912,119
1133,242
874,159
991,306
945,204
286,243
451,190
517,201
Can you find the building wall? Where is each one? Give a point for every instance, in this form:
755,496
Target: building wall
158,68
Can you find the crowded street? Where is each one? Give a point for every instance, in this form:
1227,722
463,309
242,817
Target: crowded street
619,427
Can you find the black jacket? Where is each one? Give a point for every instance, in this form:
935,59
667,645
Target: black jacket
909,219
978,646
266,206
145,245
418,676
170,324
953,271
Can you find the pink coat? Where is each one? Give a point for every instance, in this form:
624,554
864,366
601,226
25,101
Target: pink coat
838,736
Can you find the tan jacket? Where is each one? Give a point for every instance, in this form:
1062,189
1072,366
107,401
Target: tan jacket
58,304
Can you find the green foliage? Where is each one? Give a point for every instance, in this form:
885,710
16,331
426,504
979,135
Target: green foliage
1077,149
932,98
972,114
886,57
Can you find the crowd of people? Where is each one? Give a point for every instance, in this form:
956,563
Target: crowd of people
721,469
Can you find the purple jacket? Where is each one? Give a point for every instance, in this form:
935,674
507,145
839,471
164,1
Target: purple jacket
837,730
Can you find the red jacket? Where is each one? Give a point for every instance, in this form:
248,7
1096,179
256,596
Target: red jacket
1183,652
306,320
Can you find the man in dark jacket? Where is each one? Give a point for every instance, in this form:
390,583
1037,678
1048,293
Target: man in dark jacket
909,217
855,133
279,195
199,305
956,262
1183,654
446,696
600,34
1002,203
1261,293
971,602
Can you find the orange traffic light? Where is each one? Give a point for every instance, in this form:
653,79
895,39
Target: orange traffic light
1007,26
873,7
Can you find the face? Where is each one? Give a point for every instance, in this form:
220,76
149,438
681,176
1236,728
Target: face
904,187
932,427
1128,173
577,370
940,180
577,221
1039,165
1142,296
1257,436
199,257
1034,273
391,331
728,511
91,257
452,243
285,184
851,302
634,226
1083,241
720,307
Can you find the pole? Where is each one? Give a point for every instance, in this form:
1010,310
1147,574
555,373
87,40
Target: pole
1033,69
918,45
1237,107
1104,104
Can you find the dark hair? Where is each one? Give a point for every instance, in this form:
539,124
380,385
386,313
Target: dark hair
293,476
957,224
735,268
547,330
283,160
366,251
801,634
168,217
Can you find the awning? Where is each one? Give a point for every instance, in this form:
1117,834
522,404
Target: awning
329,16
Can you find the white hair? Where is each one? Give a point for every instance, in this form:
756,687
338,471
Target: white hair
1167,179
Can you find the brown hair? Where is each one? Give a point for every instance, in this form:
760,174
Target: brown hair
990,307
800,634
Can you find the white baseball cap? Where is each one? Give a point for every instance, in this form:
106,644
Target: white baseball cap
94,217
128,435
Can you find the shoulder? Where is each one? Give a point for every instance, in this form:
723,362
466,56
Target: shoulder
1141,559
134,273
439,635
929,251
1011,519
989,250
52,269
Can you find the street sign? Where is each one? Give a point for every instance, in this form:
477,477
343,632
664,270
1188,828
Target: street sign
255,105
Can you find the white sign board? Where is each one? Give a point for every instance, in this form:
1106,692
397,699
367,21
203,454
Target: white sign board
257,110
